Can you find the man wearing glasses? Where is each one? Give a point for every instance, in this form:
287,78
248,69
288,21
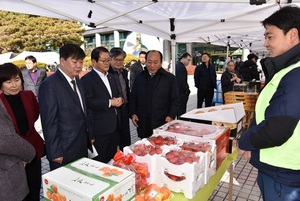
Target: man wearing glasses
120,74
103,102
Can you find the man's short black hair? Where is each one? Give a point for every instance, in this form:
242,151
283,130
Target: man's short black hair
185,55
251,56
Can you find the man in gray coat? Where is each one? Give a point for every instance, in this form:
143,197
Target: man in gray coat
32,75
15,152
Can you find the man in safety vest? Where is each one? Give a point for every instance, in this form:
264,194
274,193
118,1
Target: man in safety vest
272,143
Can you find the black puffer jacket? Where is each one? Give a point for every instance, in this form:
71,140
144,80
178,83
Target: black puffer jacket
249,71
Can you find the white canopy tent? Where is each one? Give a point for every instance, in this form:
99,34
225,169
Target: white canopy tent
221,22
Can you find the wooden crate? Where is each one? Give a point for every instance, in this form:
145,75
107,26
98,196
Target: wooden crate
249,101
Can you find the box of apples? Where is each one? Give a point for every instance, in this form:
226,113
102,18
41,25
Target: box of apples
147,150
180,162
180,170
192,131
209,148
180,184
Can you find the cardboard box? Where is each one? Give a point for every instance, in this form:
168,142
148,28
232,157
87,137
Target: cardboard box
190,171
188,188
158,162
232,144
187,130
228,114
150,160
196,132
88,180
220,157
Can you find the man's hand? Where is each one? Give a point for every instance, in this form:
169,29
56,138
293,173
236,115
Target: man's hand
135,119
58,160
168,119
117,102
244,154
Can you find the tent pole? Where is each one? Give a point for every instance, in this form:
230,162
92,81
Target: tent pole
173,44
173,50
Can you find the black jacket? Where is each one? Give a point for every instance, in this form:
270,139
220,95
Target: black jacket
153,99
227,85
181,75
205,80
249,71
134,70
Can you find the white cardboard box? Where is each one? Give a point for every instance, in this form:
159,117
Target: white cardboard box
229,113
191,131
188,188
89,180
233,115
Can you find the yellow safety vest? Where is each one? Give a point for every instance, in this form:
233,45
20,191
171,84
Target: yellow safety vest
288,154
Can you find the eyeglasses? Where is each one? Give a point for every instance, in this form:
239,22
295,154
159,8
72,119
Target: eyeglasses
104,61
119,60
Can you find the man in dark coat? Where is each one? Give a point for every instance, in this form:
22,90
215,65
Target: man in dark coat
120,74
181,75
248,70
63,110
103,102
137,67
154,99
32,75
206,81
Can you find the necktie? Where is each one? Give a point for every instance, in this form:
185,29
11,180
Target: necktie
74,86
77,95
75,89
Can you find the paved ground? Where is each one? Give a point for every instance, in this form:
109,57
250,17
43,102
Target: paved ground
245,187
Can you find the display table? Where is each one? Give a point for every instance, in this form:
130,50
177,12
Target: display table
206,191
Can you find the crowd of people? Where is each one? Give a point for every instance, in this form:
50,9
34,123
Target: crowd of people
96,109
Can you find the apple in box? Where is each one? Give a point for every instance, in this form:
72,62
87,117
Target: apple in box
196,146
181,163
143,149
180,157
162,140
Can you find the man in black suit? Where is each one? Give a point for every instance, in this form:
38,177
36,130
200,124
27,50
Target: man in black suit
103,102
117,69
181,75
137,67
63,110
154,99
32,75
